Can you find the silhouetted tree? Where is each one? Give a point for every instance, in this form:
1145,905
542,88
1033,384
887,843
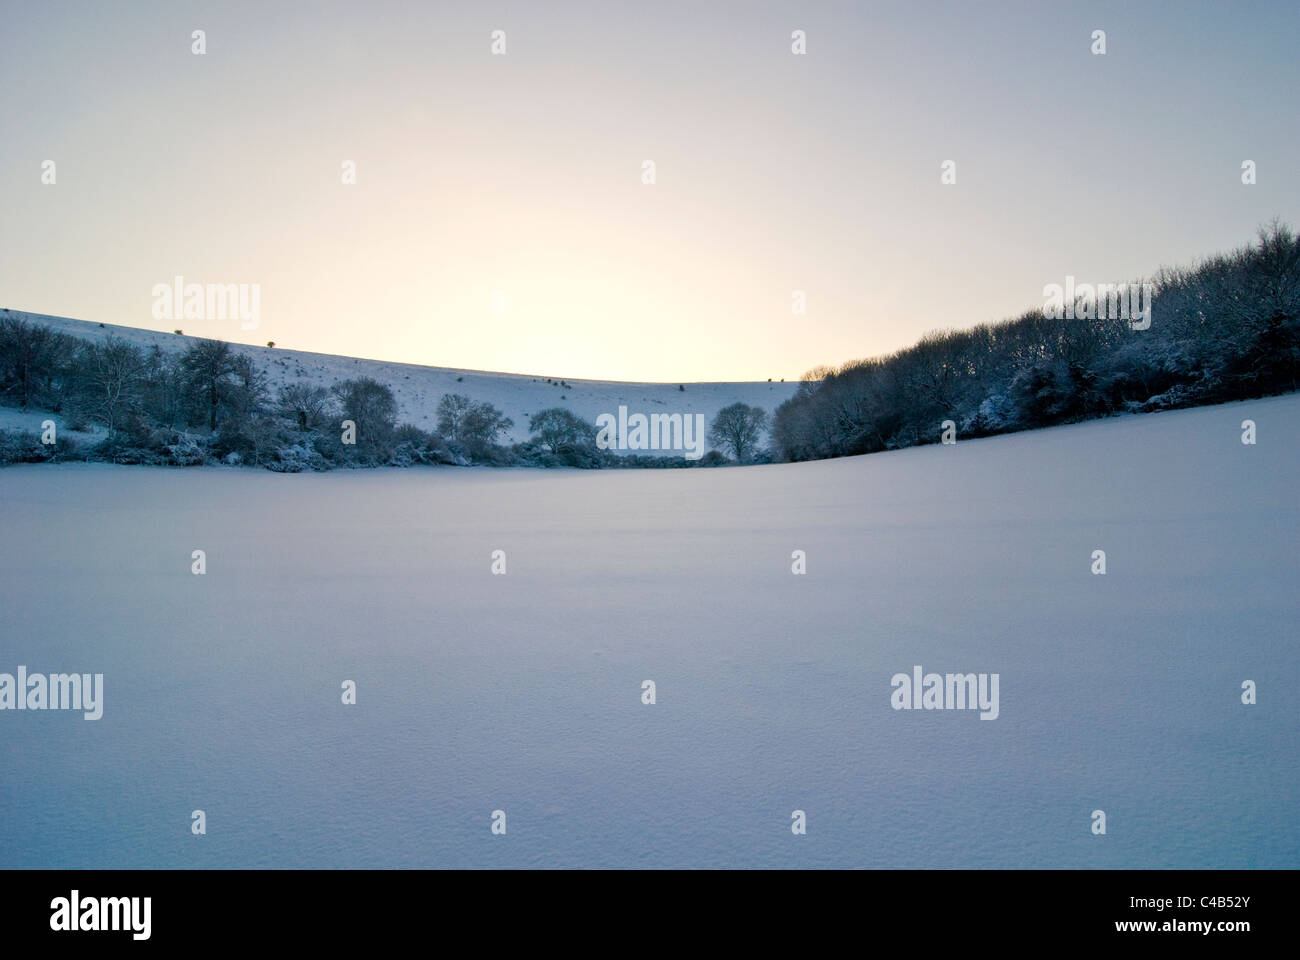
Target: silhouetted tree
208,365
33,360
110,382
452,409
306,404
481,426
371,406
559,429
737,428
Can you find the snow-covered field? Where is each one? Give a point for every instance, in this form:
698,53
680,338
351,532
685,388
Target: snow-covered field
522,692
418,389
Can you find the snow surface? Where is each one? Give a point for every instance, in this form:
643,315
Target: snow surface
418,389
523,692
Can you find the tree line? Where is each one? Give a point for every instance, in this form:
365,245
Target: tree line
210,403
1227,328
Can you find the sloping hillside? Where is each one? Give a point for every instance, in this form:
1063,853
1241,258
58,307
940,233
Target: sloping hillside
418,388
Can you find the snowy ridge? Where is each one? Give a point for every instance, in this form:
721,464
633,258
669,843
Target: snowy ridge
419,388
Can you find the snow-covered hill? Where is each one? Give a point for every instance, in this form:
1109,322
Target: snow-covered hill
418,388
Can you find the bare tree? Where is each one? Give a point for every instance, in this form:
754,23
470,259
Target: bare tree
452,409
164,387
208,364
481,426
32,356
110,381
738,428
308,405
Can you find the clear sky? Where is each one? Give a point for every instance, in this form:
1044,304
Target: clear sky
522,173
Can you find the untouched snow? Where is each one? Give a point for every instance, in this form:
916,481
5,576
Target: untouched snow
418,389
523,692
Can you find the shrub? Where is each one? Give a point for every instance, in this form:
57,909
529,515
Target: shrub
22,447
183,449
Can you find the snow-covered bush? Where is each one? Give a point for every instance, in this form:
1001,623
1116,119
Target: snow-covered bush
22,447
1179,395
119,447
297,458
996,414
183,449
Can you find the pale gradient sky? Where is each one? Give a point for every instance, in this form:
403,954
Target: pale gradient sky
522,173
